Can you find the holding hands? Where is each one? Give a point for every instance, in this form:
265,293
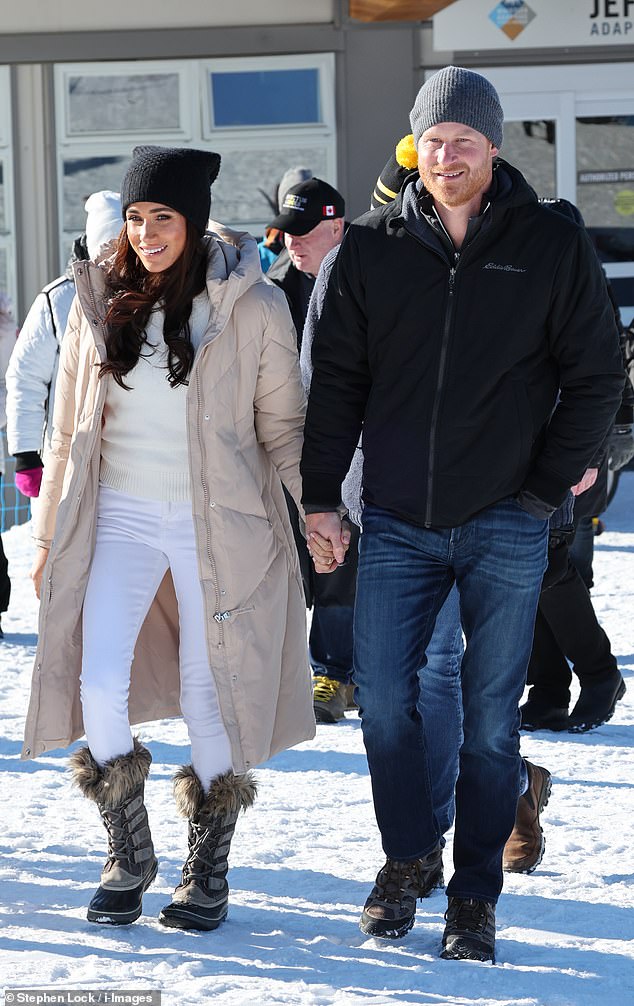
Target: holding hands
328,539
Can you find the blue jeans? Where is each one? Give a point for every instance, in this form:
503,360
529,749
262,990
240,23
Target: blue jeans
330,642
497,560
440,707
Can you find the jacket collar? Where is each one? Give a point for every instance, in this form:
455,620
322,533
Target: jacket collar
414,209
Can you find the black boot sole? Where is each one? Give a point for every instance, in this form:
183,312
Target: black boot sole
193,917
384,930
464,948
109,914
555,726
590,724
324,716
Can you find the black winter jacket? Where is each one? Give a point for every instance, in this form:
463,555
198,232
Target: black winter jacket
297,286
452,364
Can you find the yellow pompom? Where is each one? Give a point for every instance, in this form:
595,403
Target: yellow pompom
406,153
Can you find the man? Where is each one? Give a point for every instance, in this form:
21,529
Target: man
468,327
312,221
273,241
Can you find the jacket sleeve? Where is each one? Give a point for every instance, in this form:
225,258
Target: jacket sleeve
280,403
29,376
313,314
340,383
584,340
63,428
353,483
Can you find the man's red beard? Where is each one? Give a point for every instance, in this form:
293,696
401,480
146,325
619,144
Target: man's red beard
459,191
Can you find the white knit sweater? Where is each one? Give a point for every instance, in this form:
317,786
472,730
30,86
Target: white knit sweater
144,435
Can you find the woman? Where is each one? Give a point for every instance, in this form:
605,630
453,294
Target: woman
178,415
33,366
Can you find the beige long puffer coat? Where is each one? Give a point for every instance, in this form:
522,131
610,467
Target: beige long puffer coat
245,414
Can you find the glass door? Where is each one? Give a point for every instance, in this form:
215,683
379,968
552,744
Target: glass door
531,145
605,189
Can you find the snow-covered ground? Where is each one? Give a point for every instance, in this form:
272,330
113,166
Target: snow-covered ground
304,858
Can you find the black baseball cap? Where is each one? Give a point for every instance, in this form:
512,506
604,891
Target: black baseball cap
306,205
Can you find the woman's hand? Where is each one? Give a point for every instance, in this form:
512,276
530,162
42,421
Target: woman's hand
37,569
328,540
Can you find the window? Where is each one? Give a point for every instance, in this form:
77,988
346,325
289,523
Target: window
264,97
113,99
262,115
132,103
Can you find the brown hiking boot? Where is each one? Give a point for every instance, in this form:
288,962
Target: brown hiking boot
525,848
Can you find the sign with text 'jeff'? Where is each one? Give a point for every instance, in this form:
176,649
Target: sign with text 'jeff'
533,24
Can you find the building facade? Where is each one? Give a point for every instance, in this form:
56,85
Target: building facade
300,82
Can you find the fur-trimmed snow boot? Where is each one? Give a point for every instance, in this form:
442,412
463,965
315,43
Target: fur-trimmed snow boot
201,900
131,866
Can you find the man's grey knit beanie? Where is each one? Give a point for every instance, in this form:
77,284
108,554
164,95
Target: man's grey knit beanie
458,95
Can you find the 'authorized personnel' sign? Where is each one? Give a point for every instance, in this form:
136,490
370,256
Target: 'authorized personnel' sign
594,177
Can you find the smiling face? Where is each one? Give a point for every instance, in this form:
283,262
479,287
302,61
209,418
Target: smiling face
156,233
455,163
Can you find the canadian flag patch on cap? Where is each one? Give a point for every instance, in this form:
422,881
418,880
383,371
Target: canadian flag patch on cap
328,211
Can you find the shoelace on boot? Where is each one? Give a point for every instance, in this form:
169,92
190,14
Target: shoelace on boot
202,859
395,878
325,689
469,915
118,835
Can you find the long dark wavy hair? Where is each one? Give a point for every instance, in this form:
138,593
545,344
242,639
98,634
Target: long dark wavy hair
132,292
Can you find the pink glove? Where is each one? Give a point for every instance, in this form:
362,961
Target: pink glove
29,481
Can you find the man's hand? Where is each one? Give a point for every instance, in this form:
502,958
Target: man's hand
588,480
327,539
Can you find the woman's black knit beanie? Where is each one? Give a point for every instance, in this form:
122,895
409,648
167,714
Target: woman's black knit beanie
179,177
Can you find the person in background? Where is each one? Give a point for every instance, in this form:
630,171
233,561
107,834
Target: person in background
567,631
7,342
468,326
33,365
311,218
172,584
273,241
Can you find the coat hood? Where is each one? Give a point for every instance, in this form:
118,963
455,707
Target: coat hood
233,267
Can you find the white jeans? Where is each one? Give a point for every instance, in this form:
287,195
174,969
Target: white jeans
137,541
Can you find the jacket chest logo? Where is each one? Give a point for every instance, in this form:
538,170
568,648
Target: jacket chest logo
503,268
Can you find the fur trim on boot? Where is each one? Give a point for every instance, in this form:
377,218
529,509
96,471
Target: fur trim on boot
110,785
201,900
118,789
228,794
